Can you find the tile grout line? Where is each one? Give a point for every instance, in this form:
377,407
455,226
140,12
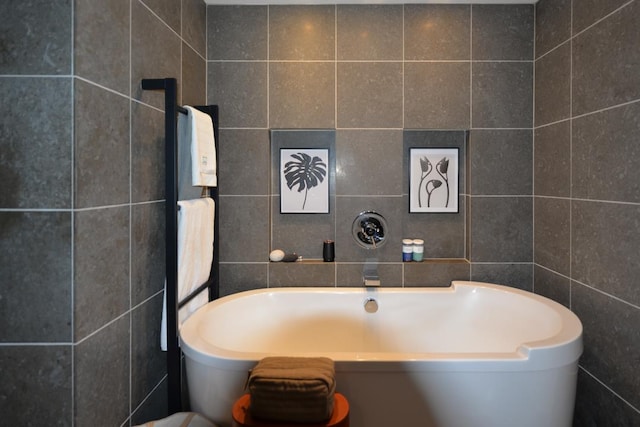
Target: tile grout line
404,77
590,287
270,205
130,206
571,159
73,202
335,56
609,389
533,155
467,213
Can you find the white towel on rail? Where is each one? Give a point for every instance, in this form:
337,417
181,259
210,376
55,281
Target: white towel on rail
195,254
196,130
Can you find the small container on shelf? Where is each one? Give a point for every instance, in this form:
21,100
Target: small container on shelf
407,250
418,250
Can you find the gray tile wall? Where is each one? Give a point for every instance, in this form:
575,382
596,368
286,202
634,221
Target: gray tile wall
82,204
587,211
371,72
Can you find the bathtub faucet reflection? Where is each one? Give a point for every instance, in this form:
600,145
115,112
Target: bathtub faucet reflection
370,274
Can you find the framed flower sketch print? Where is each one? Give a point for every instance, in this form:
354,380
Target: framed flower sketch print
304,180
433,180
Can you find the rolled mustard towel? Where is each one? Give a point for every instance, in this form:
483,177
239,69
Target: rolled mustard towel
292,389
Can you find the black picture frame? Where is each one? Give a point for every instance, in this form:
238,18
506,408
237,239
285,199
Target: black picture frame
434,179
304,180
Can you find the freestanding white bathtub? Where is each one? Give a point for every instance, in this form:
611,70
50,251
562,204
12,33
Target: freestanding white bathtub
470,355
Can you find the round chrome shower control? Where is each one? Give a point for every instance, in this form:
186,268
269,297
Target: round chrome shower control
369,229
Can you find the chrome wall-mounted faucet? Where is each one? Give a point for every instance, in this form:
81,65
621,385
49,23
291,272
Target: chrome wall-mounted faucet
370,275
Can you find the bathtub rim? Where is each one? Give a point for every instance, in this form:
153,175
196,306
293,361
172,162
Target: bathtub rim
561,349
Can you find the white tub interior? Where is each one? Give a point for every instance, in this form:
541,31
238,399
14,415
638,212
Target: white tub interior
462,320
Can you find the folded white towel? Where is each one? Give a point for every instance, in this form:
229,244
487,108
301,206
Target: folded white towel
195,245
196,129
195,254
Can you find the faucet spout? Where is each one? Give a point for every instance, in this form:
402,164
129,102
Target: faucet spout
371,281
370,275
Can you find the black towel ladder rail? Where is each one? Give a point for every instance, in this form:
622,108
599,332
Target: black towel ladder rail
171,110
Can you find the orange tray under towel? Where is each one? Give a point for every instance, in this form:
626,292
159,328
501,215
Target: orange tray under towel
242,417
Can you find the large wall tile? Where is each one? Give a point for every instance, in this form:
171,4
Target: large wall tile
553,86
35,143
553,24
101,268
502,32
369,162
552,238
101,147
435,273
36,38
597,406
294,232
502,95
515,275
302,32
36,385
240,90
587,12
244,228
369,32
237,32
147,250
348,209
194,25
610,350
606,155
435,139
552,160
436,95
101,42
500,162
552,285
148,361
437,32
604,247
170,11
501,229
147,153
443,234
155,53
242,277
155,407
369,95
302,95
316,274
194,87
101,374
605,59
352,274
243,162
301,233
36,302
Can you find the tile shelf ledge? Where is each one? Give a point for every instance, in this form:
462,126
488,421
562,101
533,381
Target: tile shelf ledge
355,2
